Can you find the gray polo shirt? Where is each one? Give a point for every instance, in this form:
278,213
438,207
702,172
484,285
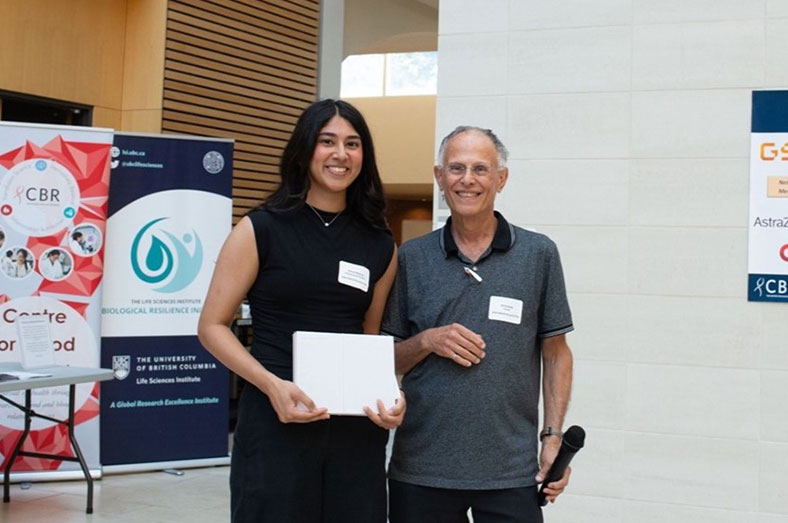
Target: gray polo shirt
476,428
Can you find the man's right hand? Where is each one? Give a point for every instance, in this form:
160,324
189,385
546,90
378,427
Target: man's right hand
291,404
455,342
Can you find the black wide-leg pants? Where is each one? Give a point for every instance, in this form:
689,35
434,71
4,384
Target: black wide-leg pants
320,472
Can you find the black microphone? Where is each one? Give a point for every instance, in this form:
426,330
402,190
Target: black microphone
573,440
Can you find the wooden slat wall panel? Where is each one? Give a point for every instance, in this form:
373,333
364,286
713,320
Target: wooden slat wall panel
182,91
241,69
292,34
196,37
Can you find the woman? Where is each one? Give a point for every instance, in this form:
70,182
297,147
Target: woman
290,461
23,266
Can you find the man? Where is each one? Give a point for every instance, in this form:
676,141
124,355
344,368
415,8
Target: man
79,245
479,305
8,262
51,268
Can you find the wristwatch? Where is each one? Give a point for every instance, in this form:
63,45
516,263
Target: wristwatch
549,431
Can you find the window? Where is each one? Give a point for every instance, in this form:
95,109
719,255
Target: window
392,74
362,75
15,107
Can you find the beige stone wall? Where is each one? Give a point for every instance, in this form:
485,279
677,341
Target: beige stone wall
628,123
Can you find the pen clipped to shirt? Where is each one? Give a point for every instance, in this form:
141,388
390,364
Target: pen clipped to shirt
473,274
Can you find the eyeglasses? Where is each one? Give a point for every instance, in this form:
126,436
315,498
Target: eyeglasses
480,170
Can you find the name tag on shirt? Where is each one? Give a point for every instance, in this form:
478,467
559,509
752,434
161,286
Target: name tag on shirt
353,275
505,309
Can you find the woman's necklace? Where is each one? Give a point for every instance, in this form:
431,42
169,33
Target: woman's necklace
327,224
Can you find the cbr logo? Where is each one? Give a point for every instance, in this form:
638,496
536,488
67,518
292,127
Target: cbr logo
772,287
770,152
38,194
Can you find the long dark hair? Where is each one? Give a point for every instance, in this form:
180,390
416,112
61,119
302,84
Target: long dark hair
364,196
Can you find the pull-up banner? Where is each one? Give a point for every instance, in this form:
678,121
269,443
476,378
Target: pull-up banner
53,205
170,210
768,227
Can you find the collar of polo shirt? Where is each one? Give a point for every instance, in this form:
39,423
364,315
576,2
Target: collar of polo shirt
502,241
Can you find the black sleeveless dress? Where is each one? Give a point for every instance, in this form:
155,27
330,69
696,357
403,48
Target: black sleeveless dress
316,471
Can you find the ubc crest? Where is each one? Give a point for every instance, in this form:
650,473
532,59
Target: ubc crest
122,366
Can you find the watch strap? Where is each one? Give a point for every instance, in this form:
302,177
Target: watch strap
549,431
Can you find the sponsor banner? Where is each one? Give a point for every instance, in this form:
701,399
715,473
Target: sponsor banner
170,211
53,207
768,225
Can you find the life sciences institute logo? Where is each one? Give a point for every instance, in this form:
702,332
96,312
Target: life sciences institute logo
164,260
121,365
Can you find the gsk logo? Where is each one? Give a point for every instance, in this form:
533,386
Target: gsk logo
770,152
167,260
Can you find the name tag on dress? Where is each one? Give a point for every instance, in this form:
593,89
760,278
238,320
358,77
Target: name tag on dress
353,275
505,309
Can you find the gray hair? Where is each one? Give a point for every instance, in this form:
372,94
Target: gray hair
503,153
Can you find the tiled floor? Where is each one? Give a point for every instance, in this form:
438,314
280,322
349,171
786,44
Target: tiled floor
198,496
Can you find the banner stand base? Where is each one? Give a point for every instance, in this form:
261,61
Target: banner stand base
52,475
161,465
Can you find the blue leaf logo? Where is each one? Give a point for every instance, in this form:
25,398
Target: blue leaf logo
167,259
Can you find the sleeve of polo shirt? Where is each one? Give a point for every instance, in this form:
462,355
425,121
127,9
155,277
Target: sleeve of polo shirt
395,316
554,315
